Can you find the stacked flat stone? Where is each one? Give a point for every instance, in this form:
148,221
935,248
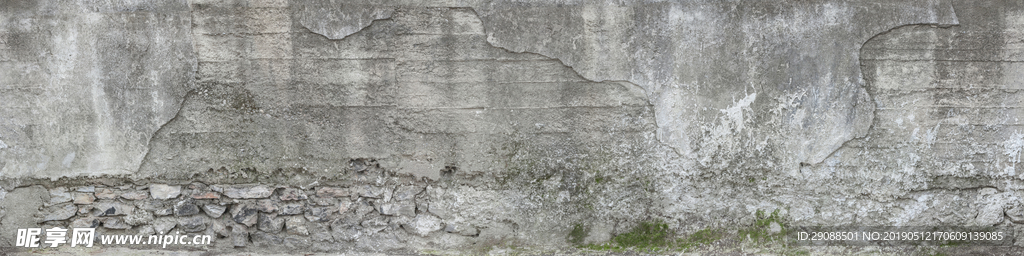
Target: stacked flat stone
240,213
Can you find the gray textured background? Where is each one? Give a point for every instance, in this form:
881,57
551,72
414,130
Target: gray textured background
523,119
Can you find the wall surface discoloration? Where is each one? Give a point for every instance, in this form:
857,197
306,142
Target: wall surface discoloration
697,59
405,126
117,72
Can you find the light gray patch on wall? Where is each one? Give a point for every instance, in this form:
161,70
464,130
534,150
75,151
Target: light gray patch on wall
101,85
338,19
729,80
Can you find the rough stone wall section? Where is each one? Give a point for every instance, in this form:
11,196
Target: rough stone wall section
390,211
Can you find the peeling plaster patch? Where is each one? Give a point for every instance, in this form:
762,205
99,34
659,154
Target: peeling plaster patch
931,133
337,20
70,157
98,102
421,168
911,211
1013,146
735,112
838,110
43,163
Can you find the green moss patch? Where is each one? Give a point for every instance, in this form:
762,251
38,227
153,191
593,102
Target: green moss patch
656,236
578,233
646,235
761,231
699,238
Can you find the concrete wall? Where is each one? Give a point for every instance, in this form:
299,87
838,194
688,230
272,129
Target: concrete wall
460,125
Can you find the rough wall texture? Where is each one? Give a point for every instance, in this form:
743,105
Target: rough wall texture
85,85
458,125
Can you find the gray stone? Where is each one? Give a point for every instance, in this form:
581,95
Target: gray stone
137,218
245,214
344,206
984,192
266,205
105,194
147,231
405,208
296,225
989,215
423,225
992,206
61,212
109,208
332,192
407,193
86,222
185,208
163,212
164,191
346,234
59,195
192,224
374,224
324,201
86,189
83,198
220,229
438,210
243,191
319,214
163,226
264,239
362,208
461,229
270,223
1016,214
370,191
1018,229
292,194
292,209
84,209
214,210
239,235
134,195
346,221
206,195
325,236
154,204
115,223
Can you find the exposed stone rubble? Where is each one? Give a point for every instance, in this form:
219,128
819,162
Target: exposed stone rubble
253,214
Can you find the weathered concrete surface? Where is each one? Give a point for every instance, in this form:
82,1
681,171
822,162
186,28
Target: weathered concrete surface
421,93
464,125
764,83
84,85
944,145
